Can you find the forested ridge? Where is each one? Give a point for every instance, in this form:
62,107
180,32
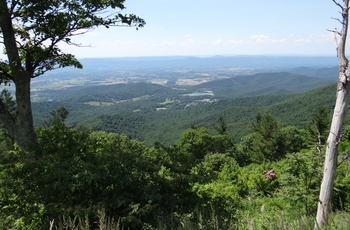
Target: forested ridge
140,119
143,111
205,177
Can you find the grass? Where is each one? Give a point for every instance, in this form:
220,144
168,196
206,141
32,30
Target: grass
338,221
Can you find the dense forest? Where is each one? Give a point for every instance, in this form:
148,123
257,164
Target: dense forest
151,112
204,178
166,142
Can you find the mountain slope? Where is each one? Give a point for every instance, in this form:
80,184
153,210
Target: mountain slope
150,112
166,126
263,84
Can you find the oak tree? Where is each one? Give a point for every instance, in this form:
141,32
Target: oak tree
31,32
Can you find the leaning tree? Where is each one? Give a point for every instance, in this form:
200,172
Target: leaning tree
340,111
31,32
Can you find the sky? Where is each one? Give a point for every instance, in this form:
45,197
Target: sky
221,27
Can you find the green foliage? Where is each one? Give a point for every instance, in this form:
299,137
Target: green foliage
254,184
8,100
341,198
269,142
216,183
222,127
195,142
58,118
78,172
19,207
295,139
98,169
292,193
246,153
321,122
132,110
300,181
95,179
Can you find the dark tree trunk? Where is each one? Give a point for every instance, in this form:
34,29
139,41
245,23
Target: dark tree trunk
20,125
24,133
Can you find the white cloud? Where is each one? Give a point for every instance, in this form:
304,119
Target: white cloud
313,39
189,38
237,42
260,38
218,42
279,41
129,43
164,44
302,41
229,42
189,44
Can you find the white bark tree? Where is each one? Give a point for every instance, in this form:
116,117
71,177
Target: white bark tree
340,110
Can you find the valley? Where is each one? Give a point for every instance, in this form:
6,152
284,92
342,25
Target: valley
141,97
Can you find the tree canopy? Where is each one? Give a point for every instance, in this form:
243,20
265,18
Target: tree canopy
32,32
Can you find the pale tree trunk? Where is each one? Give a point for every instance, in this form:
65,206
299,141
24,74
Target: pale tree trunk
340,110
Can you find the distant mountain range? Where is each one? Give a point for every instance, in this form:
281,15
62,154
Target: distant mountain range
216,62
247,61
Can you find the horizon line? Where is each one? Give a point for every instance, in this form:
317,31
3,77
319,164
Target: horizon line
216,55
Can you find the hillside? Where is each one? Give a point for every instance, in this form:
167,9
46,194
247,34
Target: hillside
330,73
264,84
155,113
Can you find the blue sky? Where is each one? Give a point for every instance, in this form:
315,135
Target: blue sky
221,27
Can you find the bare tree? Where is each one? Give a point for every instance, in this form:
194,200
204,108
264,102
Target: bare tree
340,110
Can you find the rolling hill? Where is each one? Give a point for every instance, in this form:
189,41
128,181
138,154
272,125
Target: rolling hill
264,84
150,112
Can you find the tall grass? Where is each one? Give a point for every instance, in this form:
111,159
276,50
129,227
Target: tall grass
338,221
84,223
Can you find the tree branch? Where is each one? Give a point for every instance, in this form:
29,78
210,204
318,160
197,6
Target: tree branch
9,37
338,20
344,159
338,4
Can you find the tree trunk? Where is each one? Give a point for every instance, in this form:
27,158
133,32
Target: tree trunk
330,163
24,133
19,126
340,110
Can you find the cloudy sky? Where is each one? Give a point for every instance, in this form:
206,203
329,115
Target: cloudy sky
221,27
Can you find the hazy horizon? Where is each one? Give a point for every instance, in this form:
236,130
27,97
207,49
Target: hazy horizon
226,27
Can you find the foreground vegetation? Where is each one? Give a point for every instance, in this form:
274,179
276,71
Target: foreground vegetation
268,180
